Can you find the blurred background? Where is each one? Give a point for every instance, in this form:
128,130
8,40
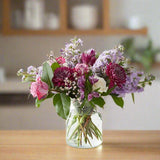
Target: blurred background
29,30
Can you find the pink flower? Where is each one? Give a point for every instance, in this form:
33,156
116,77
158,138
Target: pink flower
60,60
39,89
61,74
81,69
89,58
116,75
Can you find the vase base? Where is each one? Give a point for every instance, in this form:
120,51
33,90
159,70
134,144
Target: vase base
86,146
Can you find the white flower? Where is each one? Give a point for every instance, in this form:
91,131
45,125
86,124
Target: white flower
65,64
101,84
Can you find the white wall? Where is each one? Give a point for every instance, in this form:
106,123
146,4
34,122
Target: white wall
143,115
17,52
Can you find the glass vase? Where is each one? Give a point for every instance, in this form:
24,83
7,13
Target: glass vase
83,126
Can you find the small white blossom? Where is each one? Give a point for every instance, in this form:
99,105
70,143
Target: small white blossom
65,64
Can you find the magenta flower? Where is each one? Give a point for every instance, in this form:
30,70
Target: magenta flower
60,60
81,85
89,58
92,95
81,69
116,75
93,80
39,89
61,74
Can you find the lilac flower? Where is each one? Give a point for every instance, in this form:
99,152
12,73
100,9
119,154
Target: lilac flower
114,56
35,72
21,71
71,52
131,85
39,72
79,42
92,95
32,70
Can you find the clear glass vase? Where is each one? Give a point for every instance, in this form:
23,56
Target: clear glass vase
83,126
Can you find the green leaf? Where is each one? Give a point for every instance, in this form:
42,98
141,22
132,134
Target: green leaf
98,101
38,102
108,91
133,97
118,100
47,74
54,66
62,104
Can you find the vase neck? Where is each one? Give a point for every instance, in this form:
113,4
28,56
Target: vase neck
78,108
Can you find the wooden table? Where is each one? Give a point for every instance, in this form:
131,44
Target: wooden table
50,145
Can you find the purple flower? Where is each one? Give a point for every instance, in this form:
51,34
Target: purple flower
89,57
21,71
71,52
81,82
92,95
80,42
93,80
111,56
116,75
81,68
81,94
35,72
81,85
62,73
32,70
131,85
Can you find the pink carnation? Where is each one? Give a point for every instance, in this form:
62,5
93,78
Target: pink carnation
116,75
39,89
81,69
60,60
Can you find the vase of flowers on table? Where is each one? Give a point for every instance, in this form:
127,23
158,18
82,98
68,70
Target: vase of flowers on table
77,82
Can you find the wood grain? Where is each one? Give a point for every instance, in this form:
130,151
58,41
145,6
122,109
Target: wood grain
6,13
63,14
64,29
50,145
106,15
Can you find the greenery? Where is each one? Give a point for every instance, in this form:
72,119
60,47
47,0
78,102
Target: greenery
118,100
62,104
47,74
85,128
145,56
98,101
85,78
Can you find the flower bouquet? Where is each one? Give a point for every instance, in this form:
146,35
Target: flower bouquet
77,82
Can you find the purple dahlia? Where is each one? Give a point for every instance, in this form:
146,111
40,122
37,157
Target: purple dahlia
116,75
61,74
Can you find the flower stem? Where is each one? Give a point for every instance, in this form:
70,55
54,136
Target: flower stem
85,127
